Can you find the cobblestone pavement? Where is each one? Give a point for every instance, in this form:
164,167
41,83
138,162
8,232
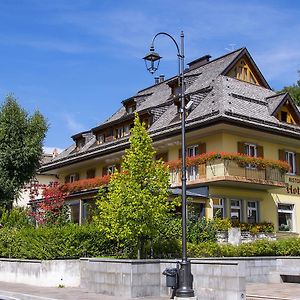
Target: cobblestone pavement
278,291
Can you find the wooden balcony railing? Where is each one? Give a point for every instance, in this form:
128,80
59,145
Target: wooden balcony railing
228,170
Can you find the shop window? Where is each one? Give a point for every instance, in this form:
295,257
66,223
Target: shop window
252,212
290,157
218,208
235,210
285,217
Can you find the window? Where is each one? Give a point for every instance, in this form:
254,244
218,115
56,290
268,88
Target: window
252,214
283,116
235,210
251,150
130,108
100,138
111,169
196,211
192,171
73,177
285,217
119,132
80,144
218,208
290,157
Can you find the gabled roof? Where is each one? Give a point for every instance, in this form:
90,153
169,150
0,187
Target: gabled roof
278,101
216,98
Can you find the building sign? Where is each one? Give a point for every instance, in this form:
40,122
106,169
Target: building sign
293,185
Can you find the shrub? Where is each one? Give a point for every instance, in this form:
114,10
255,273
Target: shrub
15,218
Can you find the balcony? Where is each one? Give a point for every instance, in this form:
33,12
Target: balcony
264,174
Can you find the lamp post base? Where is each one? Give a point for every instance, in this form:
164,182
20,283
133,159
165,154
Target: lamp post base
185,286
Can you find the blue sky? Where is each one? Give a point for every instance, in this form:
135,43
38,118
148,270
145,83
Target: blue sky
76,60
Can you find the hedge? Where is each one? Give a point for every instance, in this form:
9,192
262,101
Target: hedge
286,247
73,241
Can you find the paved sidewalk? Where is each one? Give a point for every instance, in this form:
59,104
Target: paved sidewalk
278,291
28,292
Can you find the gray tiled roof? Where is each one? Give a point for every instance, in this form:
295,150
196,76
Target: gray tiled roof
214,96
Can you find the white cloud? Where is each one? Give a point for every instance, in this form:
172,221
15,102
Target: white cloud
72,124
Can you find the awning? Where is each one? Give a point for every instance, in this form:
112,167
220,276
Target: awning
200,192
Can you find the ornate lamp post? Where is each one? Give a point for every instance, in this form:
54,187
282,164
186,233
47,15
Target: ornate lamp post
185,286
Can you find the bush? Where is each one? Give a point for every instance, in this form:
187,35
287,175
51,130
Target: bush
70,241
15,218
287,247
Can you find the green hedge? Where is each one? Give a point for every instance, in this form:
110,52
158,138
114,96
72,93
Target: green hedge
71,241
287,247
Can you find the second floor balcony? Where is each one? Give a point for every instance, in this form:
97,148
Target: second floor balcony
232,169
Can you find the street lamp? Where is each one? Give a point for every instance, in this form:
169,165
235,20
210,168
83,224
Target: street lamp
185,285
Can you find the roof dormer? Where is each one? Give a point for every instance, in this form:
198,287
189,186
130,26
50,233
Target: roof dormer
130,105
284,109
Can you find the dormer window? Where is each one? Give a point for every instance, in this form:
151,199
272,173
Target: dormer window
122,131
100,138
283,116
79,144
130,109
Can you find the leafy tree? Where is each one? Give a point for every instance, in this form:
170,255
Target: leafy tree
21,138
136,205
294,90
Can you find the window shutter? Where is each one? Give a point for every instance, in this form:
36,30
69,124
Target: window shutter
297,158
67,179
260,151
281,154
104,171
202,148
241,147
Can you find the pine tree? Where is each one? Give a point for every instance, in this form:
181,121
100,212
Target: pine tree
21,138
136,205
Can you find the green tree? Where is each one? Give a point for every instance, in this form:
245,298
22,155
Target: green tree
21,139
136,205
294,90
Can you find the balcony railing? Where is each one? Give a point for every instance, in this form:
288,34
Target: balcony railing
228,170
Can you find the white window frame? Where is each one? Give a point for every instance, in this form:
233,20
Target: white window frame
292,162
287,211
238,207
250,209
111,169
72,178
250,146
192,172
219,206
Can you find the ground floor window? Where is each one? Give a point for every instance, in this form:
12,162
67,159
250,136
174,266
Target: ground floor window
218,208
196,211
252,214
285,217
74,213
235,210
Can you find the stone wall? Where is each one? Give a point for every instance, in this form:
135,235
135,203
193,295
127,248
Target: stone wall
214,279
236,237
40,273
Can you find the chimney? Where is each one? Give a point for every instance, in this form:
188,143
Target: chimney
199,62
161,78
156,80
